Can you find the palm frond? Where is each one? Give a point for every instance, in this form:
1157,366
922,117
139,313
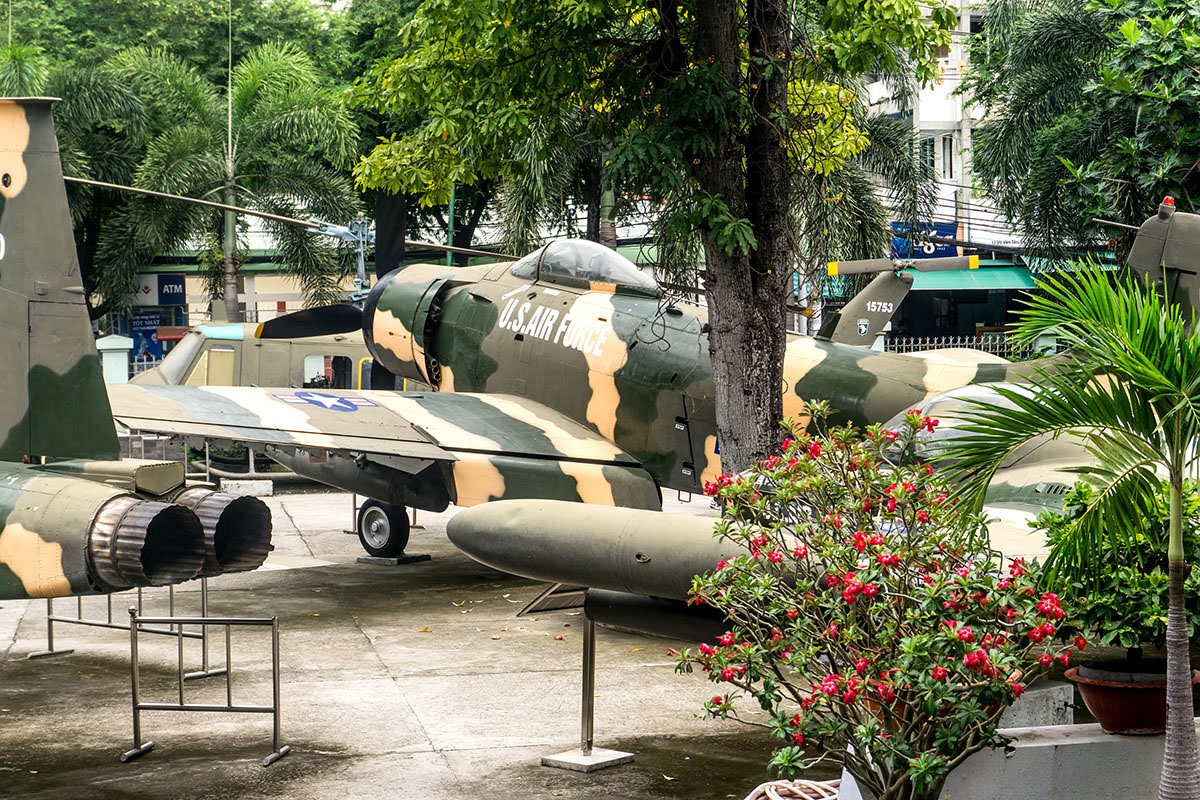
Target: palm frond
175,92
23,71
181,160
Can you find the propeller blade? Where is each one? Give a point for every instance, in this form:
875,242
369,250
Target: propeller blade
321,321
885,264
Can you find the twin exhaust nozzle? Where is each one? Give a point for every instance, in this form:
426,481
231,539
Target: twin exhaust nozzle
135,542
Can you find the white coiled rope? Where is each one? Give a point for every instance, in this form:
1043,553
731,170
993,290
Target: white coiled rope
796,790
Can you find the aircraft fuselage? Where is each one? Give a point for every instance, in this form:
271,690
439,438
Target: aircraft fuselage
620,360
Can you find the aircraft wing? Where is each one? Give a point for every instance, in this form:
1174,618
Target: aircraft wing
415,448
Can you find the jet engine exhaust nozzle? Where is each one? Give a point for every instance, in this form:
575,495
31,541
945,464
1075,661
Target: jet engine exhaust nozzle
237,530
135,542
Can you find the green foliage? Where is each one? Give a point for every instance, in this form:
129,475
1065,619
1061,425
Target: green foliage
1093,112
1120,596
289,139
866,33
1129,390
23,71
195,31
484,71
866,618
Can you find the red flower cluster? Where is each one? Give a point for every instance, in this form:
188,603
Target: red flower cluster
1041,632
822,508
712,488
1048,606
978,660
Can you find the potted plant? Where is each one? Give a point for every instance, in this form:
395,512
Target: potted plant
867,618
1119,597
1126,387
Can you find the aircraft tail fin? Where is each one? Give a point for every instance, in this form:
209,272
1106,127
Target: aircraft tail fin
864,317
52,397
1165,251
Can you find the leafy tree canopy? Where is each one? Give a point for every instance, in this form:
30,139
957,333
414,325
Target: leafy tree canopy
725,112
490,73
195,31
1094,111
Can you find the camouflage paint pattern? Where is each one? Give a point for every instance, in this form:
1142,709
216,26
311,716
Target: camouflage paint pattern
612,358
52,401
485,447
44,522
63,534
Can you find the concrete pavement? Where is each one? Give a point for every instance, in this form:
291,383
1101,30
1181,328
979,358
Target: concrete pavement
412,681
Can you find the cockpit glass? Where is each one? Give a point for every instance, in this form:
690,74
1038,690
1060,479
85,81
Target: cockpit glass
580,262
526,267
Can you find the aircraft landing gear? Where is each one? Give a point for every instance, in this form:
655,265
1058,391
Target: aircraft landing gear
383,528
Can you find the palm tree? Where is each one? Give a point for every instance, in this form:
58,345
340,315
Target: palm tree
23,70
273,141
100,123
1131,391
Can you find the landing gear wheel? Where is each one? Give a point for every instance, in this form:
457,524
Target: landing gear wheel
383,528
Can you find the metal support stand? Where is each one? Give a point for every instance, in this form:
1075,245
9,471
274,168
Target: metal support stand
204,671
108,622
50,619
587,758
136,622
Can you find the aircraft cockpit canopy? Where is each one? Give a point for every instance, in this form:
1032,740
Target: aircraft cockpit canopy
584,264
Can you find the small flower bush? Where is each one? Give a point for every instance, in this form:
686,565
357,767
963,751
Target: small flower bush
867,617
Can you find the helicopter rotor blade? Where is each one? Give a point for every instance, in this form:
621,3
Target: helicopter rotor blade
322,321
868,265
311,224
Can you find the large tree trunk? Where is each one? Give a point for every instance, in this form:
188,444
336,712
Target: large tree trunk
1181,766
751,174
608,218
591,189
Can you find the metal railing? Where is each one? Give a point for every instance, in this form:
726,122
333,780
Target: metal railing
999,344
107,621
140,364
136,624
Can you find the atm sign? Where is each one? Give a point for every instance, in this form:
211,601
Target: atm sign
171,290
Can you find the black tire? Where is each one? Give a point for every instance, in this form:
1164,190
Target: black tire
383,528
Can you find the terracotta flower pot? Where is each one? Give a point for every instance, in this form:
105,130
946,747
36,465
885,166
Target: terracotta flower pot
1125,701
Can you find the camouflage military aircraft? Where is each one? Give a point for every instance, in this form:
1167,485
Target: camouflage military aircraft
639,565
562,375
73,518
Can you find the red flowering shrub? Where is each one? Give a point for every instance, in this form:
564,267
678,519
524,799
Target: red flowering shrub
867,615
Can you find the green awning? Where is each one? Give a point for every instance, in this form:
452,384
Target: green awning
982,278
